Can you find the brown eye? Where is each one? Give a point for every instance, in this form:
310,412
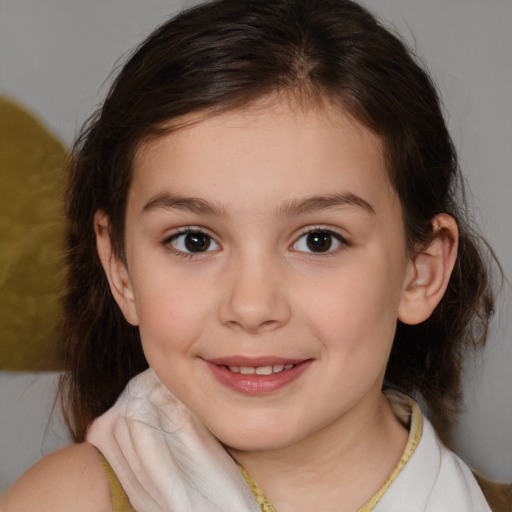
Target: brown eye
197,242
319,241
193,242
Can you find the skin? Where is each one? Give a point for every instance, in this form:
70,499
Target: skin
69,479
256,295
256,181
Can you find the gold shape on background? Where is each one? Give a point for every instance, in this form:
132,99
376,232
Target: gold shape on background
32,242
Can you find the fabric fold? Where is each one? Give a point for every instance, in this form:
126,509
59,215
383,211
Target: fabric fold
166,459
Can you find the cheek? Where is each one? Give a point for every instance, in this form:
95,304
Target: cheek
357,310
171,316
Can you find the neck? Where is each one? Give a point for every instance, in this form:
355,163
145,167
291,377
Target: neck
338,468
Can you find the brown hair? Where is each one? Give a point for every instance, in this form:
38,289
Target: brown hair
228,53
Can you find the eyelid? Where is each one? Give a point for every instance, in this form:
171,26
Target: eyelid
186,229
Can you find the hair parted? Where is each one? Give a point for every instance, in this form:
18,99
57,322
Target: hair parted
223,55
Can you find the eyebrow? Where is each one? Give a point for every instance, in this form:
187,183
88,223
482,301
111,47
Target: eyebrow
311,204
192,204
318,203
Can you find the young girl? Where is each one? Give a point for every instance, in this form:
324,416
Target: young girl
265,212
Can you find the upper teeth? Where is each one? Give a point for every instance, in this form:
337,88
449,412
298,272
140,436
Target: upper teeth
260,370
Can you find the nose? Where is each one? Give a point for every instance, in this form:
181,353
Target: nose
255,298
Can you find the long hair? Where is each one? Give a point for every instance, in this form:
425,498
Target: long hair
225,54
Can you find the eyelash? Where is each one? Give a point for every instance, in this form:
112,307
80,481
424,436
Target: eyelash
168,242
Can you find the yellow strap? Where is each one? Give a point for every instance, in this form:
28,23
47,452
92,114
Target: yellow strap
120,501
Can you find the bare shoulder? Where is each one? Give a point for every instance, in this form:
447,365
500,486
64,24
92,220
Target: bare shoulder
69,479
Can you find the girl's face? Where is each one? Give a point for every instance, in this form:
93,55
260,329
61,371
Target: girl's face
266,264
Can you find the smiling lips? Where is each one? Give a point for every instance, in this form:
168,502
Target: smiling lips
257,377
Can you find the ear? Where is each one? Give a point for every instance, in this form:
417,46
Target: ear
115,270
429,272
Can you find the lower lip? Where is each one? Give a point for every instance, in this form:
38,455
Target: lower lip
257,384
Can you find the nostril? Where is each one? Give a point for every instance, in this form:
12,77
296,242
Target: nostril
253,327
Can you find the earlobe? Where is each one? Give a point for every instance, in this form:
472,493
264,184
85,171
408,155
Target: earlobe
429,272
115,270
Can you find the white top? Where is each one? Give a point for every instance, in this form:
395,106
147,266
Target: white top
167,461
433,480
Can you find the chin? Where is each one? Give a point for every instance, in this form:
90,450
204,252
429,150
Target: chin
261,440
252,446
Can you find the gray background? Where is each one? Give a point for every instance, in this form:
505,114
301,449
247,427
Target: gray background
56,54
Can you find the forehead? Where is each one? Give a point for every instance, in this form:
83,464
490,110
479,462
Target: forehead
274,150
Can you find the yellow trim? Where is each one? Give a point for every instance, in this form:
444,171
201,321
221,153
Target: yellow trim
415,429
261,499
407,411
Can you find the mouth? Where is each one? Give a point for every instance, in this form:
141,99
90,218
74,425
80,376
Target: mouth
257,376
